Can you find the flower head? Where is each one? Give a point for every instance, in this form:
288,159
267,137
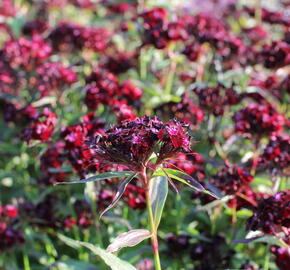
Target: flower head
132,143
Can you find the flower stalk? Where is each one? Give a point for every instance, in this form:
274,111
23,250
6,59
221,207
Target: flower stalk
153,229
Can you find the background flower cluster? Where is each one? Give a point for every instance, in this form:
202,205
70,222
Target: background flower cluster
71,69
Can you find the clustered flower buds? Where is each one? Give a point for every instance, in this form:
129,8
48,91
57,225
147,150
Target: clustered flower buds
258,120
41,129
272,214
131,143
9,233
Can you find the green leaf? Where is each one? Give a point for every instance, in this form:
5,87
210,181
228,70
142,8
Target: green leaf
128,239
180,176
120,192
270,239
72,265
158,190
186,179
111,260
98,177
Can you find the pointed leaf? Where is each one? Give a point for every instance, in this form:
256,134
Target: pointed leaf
120,192
98,177
110,259
158,190
270,239
128,239
182,177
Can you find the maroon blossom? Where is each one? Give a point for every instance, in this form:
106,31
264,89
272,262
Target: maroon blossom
130,92
7,8
26,53
275,55
185,110
256,34
53,158
276,155
272,17
118,62
232,180
41,129
282,255
74,136
258,120
135,197
35,27
54,76
124,112
10,235
84,213
217,99
190,163
272,214
132,142
66,37
102,86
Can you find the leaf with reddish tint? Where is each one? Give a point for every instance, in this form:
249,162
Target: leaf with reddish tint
120,192
110,259
128,239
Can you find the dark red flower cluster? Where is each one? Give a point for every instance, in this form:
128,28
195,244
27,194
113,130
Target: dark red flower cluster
84,214
35,27
9,234
26,53
275,55
274,85
118,62
9,79
261,120
51,160
216,99
206,28
177,244
43,214
276,155
272,17
190,163
255,34
120,8
104,88
185,110
132,142
42,128
158,31
53,76
282,255
233,180
7,8
75,137
272,214
67,37
135,197
212,254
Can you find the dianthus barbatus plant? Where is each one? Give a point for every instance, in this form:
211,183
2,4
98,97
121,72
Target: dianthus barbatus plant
143,145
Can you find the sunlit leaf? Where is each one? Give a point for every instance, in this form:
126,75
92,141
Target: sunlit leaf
110,259
270,239
128,239
158,190
182,177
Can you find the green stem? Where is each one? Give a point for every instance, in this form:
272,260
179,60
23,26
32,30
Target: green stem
154,238
26,263
153,229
